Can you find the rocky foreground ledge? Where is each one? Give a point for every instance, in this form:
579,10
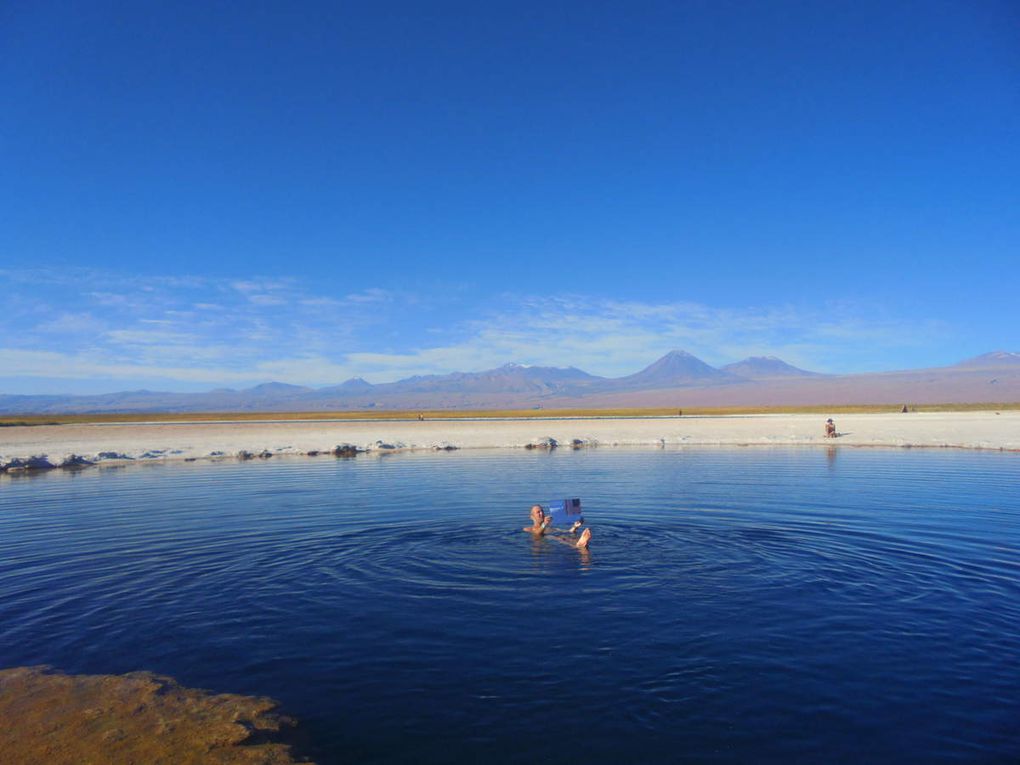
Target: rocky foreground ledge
77,446
57,719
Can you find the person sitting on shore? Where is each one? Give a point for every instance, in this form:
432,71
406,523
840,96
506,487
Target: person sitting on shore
830,429
541,526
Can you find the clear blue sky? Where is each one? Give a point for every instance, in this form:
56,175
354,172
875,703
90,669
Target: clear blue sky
194,194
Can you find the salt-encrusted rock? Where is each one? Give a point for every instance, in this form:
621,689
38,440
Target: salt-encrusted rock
583,443
542,443
445,446
113,456
383,446
346,450
313,453
153,454
244,454
75,461
217,454
265,454
35,462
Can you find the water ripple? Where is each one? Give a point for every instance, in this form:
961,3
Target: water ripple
736,605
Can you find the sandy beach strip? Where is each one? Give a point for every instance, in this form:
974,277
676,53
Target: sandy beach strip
211,440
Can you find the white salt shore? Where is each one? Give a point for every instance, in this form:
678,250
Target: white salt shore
212,440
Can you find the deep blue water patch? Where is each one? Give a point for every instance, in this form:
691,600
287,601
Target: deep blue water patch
737,605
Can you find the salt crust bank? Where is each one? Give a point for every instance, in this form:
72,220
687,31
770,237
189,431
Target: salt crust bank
32,449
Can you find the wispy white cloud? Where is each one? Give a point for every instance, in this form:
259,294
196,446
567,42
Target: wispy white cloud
614,338
50,364
267,299
83,323
158,337
186,329
372,295
248,286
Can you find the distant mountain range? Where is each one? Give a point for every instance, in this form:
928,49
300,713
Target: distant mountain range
677,379
765,367
676,369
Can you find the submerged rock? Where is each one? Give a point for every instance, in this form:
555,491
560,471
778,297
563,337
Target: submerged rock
59,719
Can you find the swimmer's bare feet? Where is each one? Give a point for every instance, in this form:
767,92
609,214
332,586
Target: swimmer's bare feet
582,542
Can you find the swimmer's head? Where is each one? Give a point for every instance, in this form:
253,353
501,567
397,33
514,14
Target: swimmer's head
537,514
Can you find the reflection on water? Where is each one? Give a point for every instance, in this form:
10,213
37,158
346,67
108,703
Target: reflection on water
735,605
830,454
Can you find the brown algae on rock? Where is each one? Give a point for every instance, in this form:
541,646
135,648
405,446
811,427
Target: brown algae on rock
53,718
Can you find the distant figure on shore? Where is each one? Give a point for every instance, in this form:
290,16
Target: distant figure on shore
830,429
904,410
679,412
541,523
421,417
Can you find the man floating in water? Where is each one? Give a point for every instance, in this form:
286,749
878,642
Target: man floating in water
541,525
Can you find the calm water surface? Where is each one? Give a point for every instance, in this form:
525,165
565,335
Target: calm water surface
736,605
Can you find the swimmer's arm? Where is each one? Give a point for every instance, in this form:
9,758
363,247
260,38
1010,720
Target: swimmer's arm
542,529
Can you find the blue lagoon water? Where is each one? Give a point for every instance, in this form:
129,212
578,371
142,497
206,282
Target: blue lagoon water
737,605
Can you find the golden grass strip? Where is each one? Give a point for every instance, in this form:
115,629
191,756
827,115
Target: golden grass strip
453,414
